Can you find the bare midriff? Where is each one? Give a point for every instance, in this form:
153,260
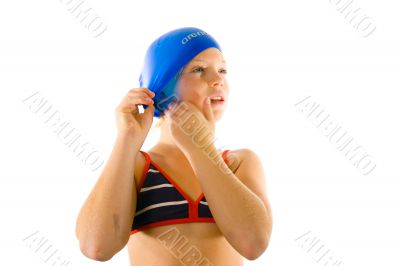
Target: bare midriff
200,244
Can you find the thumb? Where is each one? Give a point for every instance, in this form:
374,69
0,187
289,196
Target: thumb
207,110
148,114
149,111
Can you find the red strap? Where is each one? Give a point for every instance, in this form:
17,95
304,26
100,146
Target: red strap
145,169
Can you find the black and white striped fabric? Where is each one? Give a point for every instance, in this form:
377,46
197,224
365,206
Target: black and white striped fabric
161,201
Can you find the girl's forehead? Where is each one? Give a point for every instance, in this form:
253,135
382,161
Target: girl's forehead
210,54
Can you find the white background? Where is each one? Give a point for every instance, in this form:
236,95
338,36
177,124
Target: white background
278,53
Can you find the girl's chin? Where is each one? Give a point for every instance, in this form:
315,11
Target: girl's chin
217,115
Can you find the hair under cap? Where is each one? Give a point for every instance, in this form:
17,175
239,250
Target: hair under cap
166,57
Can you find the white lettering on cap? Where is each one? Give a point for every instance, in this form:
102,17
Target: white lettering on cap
190,36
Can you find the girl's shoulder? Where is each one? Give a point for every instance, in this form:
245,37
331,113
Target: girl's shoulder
140,163
233,159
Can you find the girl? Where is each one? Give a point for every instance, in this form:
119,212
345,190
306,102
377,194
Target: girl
183,201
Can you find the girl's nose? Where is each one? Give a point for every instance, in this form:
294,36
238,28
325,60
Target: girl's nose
216,79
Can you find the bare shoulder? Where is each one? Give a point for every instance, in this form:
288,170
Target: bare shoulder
250,171
235,158
140,163
240,159
244,162
242,153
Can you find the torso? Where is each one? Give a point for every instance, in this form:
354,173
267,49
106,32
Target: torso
202,241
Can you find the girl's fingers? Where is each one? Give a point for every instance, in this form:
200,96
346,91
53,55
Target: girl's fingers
143,90
139,94
135,97
140,100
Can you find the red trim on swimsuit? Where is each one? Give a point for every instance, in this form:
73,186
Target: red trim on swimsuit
192,205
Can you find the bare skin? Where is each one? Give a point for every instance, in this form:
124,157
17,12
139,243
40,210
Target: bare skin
243,223
204,239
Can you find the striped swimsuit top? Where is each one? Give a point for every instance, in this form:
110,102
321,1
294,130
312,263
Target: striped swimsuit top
160,200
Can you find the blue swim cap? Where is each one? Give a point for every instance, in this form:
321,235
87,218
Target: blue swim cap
165,59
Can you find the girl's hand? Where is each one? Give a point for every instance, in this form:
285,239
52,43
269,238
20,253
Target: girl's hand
129,120
190,127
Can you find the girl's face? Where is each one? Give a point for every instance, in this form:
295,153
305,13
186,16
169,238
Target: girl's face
203,77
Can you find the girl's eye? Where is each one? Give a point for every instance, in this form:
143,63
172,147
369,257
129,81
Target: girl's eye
198,68
223,71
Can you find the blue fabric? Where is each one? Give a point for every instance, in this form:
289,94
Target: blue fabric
165,59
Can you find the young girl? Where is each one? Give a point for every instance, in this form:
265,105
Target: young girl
183,201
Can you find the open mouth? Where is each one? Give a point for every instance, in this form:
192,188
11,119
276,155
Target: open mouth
217,100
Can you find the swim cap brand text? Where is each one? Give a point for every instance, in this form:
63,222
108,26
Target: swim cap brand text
192,35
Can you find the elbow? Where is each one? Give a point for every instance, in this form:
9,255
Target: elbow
98,247
255,249
258,243
95,252
91,248
255,246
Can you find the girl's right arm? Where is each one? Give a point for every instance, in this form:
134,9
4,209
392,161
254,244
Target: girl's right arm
104,222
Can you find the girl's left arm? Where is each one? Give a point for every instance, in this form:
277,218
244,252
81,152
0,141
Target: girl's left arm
238,202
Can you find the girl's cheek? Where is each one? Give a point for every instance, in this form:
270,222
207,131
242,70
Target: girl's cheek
190,94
